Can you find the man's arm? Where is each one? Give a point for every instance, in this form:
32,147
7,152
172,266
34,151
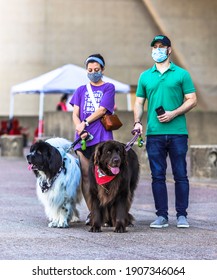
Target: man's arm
138,112
189,103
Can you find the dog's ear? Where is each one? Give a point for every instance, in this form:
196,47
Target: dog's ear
55,161
33,147
98,153
123,153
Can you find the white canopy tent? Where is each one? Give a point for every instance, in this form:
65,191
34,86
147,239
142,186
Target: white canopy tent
65,79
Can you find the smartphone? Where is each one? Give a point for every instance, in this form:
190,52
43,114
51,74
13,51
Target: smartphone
160,110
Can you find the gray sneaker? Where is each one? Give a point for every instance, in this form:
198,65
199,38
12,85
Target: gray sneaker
182,222
160,222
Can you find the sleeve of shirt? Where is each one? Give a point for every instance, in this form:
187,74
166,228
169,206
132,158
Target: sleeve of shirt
188,85
75,100
108,99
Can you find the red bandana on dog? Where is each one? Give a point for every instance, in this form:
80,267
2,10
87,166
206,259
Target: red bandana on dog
102,178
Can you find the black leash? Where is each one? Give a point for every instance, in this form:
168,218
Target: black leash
83,141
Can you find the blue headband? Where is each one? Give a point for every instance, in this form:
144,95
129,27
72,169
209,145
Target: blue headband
95,59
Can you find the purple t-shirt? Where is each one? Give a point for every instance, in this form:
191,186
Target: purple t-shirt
105,97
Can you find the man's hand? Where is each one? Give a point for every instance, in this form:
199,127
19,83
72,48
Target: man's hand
167,116
138,126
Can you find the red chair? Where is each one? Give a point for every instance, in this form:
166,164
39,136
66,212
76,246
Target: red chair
4,127
15,128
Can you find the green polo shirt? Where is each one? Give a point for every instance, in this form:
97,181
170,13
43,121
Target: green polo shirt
167,89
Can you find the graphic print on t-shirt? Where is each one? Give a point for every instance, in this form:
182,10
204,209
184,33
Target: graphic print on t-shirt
88,105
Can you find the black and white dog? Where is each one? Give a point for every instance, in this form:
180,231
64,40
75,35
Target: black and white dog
58,178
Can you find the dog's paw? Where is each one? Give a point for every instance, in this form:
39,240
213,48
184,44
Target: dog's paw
63,225
95,229
120,228
52,224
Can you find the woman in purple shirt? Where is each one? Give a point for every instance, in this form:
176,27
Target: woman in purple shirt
86,115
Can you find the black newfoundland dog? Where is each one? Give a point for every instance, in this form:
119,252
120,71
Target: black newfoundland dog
113,175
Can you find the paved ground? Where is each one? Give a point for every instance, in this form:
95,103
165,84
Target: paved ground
24,234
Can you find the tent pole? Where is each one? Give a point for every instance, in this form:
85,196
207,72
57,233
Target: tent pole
40,119
11,106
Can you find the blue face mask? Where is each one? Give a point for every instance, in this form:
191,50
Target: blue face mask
159,55
95,76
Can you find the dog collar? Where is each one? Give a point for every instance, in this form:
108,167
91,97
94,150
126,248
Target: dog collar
102,178
46,185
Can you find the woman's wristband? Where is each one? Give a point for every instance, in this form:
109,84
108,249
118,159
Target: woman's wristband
86,122
137,122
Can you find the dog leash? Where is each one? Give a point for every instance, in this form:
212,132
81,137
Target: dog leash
83,141
137,135
135,132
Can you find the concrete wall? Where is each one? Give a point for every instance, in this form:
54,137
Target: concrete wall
201,126
39,36
22,40
191,26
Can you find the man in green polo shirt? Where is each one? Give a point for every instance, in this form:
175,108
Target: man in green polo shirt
170,94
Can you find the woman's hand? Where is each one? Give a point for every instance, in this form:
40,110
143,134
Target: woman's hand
80,128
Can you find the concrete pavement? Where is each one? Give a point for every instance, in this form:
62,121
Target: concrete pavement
24,234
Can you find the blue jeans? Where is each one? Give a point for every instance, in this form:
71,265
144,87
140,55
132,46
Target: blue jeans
176,146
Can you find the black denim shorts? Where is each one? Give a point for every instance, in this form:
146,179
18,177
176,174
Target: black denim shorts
88,152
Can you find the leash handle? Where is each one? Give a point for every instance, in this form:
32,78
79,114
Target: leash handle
136,133
83,141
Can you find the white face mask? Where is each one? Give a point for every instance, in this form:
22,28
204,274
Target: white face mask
159,54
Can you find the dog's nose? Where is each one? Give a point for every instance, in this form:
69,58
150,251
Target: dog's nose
29,156
116,160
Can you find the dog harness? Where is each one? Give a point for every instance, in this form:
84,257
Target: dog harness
46,185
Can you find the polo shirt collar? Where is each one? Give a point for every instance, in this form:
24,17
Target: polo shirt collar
172,67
